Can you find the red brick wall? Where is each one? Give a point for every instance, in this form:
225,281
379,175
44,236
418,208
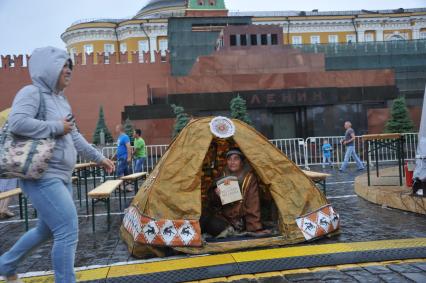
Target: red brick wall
112,85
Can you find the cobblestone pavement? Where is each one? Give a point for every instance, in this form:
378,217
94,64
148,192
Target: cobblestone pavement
361,221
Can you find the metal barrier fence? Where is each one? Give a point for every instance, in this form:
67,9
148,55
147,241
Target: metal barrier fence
293,148
302,152
314,153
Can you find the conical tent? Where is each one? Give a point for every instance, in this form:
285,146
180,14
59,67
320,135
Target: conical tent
173,193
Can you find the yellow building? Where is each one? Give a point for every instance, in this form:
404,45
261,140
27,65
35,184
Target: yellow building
147,30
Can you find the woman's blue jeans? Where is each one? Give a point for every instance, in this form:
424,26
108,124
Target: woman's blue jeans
58,218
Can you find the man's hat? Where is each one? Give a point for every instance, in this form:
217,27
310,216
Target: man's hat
234,151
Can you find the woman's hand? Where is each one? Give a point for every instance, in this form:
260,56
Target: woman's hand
108,165
68,126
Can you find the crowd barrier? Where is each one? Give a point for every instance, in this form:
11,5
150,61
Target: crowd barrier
303,152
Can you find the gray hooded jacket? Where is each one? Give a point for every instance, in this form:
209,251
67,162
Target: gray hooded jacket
45,67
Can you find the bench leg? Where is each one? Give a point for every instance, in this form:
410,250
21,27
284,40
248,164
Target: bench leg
26,213
119,196
124,192
94,176
324,186
79,190
85,188
136,186
21,213
93,215
108,211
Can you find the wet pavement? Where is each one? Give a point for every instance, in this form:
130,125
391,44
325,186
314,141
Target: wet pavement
360,221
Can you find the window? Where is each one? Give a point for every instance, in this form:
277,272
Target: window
422,34
350,38
108,48
333,38
142,47
73,53
243,39
233,40
315,39
274,39
296,39
253,39
369,37
88,48
212,2
163,48
264,39
200,2
123,47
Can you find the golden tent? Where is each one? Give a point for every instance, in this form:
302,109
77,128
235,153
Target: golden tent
3,116
164,215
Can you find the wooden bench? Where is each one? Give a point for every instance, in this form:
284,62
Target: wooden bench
318,178
23,213
102,193
133,178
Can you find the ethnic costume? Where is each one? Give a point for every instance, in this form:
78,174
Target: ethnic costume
243,215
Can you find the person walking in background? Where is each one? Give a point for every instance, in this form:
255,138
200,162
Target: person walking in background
6,185
349,142
139,153
50,70
124,152
326,153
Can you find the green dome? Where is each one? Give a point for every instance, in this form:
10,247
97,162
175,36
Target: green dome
164,8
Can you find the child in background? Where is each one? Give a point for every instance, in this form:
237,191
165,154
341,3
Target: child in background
326,153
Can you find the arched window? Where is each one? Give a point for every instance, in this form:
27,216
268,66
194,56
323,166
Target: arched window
396,37
200,2
212,2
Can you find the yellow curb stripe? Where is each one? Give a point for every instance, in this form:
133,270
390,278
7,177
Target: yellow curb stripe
327,249
240,257
169,265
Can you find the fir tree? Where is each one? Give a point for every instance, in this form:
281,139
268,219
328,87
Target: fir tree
400,121
128,129
101,125
181,119
239,109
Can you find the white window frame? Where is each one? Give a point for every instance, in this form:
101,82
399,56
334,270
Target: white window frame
73,53
422,34
351,38
143,46
369,37
163,46
333,38
88,46
123,47
315,39
109,48
296,39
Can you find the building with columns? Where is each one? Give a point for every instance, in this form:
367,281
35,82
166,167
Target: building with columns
147,30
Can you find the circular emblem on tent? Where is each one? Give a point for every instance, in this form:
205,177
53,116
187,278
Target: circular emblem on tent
222,127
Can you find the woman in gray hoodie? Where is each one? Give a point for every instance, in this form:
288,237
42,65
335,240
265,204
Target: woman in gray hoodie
50,70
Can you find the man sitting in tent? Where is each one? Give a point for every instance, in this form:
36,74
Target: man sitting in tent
239,216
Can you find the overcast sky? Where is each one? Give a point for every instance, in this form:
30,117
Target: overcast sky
27,24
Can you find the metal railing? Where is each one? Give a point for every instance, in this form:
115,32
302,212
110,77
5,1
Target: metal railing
293,148
303,152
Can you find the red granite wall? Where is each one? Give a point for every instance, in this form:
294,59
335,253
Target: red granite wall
377,118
